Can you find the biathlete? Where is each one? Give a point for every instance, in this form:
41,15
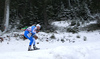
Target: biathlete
30,34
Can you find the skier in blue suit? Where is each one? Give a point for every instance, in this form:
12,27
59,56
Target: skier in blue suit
30,33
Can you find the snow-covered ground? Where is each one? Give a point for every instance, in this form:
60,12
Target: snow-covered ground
82,45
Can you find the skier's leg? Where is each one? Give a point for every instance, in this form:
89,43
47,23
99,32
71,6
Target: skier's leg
34,47
25,34
31,40
30,43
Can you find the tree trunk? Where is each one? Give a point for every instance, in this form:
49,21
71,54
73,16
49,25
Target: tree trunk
45,14
6,16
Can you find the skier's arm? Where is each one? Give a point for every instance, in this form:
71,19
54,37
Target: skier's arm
35,37
34,30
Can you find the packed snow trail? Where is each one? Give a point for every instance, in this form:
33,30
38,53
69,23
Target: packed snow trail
57,50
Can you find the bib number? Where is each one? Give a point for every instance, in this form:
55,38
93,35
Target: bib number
29,35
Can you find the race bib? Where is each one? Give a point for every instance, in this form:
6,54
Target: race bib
29,35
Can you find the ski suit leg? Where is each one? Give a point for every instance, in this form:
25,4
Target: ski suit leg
25,34
30,38
33,41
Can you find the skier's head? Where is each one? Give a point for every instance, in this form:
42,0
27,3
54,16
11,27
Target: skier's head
38,26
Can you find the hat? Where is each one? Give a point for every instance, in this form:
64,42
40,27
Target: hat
38,25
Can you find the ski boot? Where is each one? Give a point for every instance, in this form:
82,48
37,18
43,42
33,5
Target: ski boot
35,48
29,48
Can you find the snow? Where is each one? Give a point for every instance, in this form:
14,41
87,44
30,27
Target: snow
60,23
54,48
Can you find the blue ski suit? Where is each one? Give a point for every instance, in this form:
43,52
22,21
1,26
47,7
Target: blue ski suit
29,33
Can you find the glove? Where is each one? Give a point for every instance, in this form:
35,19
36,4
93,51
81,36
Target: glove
37,31
35,37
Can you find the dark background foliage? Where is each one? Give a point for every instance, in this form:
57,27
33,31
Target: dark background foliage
28,12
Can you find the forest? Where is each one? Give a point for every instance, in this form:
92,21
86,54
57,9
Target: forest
28,12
